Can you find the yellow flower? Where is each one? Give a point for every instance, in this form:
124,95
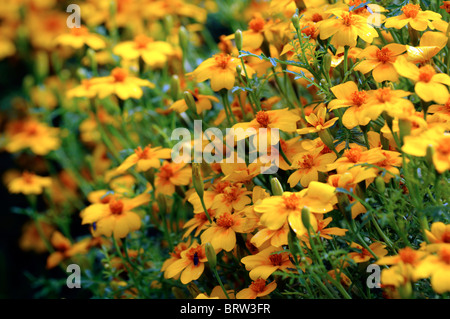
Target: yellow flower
437,266
64,249
222,232
356,155
153,53
439,233
116,217
144,159
234,197
202,102
267,236
174,256
429,85
220,70
349,95
346,28
412,13
307,166
430,45
29,184
407,261
380,61
121,84
277,210
391,101
78,37
30,133
365,255
435,138
317,121
171,175
257,288
266,262
199,222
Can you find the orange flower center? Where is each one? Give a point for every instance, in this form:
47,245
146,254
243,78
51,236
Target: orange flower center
165,172
201,217
258,285
79,31
256,24
309,31
353,154
384,55
359,97
142,41
316,17
142,153
444,254
407,255
426,73
276,259
225,221
119,74
349,19
262,118
222,60
383,95
28,177
231,194
307,161
411,10
116,207
195,254
291,202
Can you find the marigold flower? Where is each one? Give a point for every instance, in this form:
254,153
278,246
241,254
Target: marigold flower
380,61
430,45
144,159
437,266
356,155
175,255
317,121
429,85
191,264
202,102
308,165
171,175
346,28
78,37
414,16
266,236
257,288
234,197
153,53
439,233
365,255
29,184
64,249
116,217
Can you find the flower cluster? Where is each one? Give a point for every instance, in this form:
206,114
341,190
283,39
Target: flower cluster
349,99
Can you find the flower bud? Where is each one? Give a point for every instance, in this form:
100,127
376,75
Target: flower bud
42,65
405,128
175,87
430,154
327,138
162,203
238,39
306,215
277,189
183,39
326,63
197,179
380,184
190,102
211,255
296,21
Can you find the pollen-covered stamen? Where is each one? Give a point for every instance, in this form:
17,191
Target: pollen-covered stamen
359,97
141,41
256,24
225,221
195,254
426,73
28,177
262,118
407,255
383,95
306,162
142,153
119,74
384,55
411,10
222,60
349,19
310,31
231,194
258,285
316,17
353,154
276,259
116,206
291,202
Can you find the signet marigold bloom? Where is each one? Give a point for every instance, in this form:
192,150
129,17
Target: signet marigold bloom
267,236
266,262
429,85
365,255
430,45
258,288
317,121
64,249
356,154
174,256
202,102
234,197
171,175
222,232
439,233
380,61
190,265
29,184
114,217
324,231
413,15
198,223
437,266
76,38
144,159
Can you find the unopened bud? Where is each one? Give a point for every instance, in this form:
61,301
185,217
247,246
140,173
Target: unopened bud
211,255
306,215
326,63
197,179
277,188
183,38
405,128
175,87
296,21
238,39
326,138
380,184
190,102
429,155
